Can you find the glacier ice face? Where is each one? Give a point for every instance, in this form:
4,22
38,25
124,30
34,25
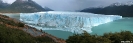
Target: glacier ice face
66,21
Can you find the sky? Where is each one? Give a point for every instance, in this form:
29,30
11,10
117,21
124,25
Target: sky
73,5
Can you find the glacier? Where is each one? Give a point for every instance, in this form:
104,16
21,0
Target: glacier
75,22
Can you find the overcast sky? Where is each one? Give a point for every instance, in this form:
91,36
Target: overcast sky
71,5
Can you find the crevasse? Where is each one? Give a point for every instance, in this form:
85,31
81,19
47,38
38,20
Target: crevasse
75,22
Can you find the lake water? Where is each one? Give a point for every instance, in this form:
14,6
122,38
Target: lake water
116,26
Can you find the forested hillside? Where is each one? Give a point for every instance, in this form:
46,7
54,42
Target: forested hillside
11,32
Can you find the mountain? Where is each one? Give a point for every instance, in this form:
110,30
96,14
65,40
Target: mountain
23,6
48,9
114,9
129,3
3,5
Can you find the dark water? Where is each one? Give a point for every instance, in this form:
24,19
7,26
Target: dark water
116,26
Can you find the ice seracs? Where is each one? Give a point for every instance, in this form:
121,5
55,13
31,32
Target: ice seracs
66,21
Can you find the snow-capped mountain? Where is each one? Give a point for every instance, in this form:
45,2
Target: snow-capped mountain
18,6
129,3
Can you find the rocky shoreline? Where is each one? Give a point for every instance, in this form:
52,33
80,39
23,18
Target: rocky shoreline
40,33
31,30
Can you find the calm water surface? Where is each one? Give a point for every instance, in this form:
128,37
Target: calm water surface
116,26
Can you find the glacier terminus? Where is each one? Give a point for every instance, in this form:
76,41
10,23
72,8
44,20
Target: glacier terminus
75,22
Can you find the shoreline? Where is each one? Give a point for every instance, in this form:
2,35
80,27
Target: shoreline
31,30
44,34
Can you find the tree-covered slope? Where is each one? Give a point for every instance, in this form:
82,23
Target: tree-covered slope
11,32
117,37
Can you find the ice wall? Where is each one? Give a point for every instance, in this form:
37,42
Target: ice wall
66,21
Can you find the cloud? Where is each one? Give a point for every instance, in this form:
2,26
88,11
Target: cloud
71,5
9,1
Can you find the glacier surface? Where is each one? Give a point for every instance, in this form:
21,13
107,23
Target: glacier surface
75,22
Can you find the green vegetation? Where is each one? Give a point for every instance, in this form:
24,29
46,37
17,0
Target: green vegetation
15,35
9,35
20,24
116,37
5,20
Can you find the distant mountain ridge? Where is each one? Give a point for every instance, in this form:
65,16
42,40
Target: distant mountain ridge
3,5
48,9
125,10
23,6
129,3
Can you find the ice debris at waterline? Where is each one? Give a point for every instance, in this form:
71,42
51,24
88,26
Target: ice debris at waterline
75,22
